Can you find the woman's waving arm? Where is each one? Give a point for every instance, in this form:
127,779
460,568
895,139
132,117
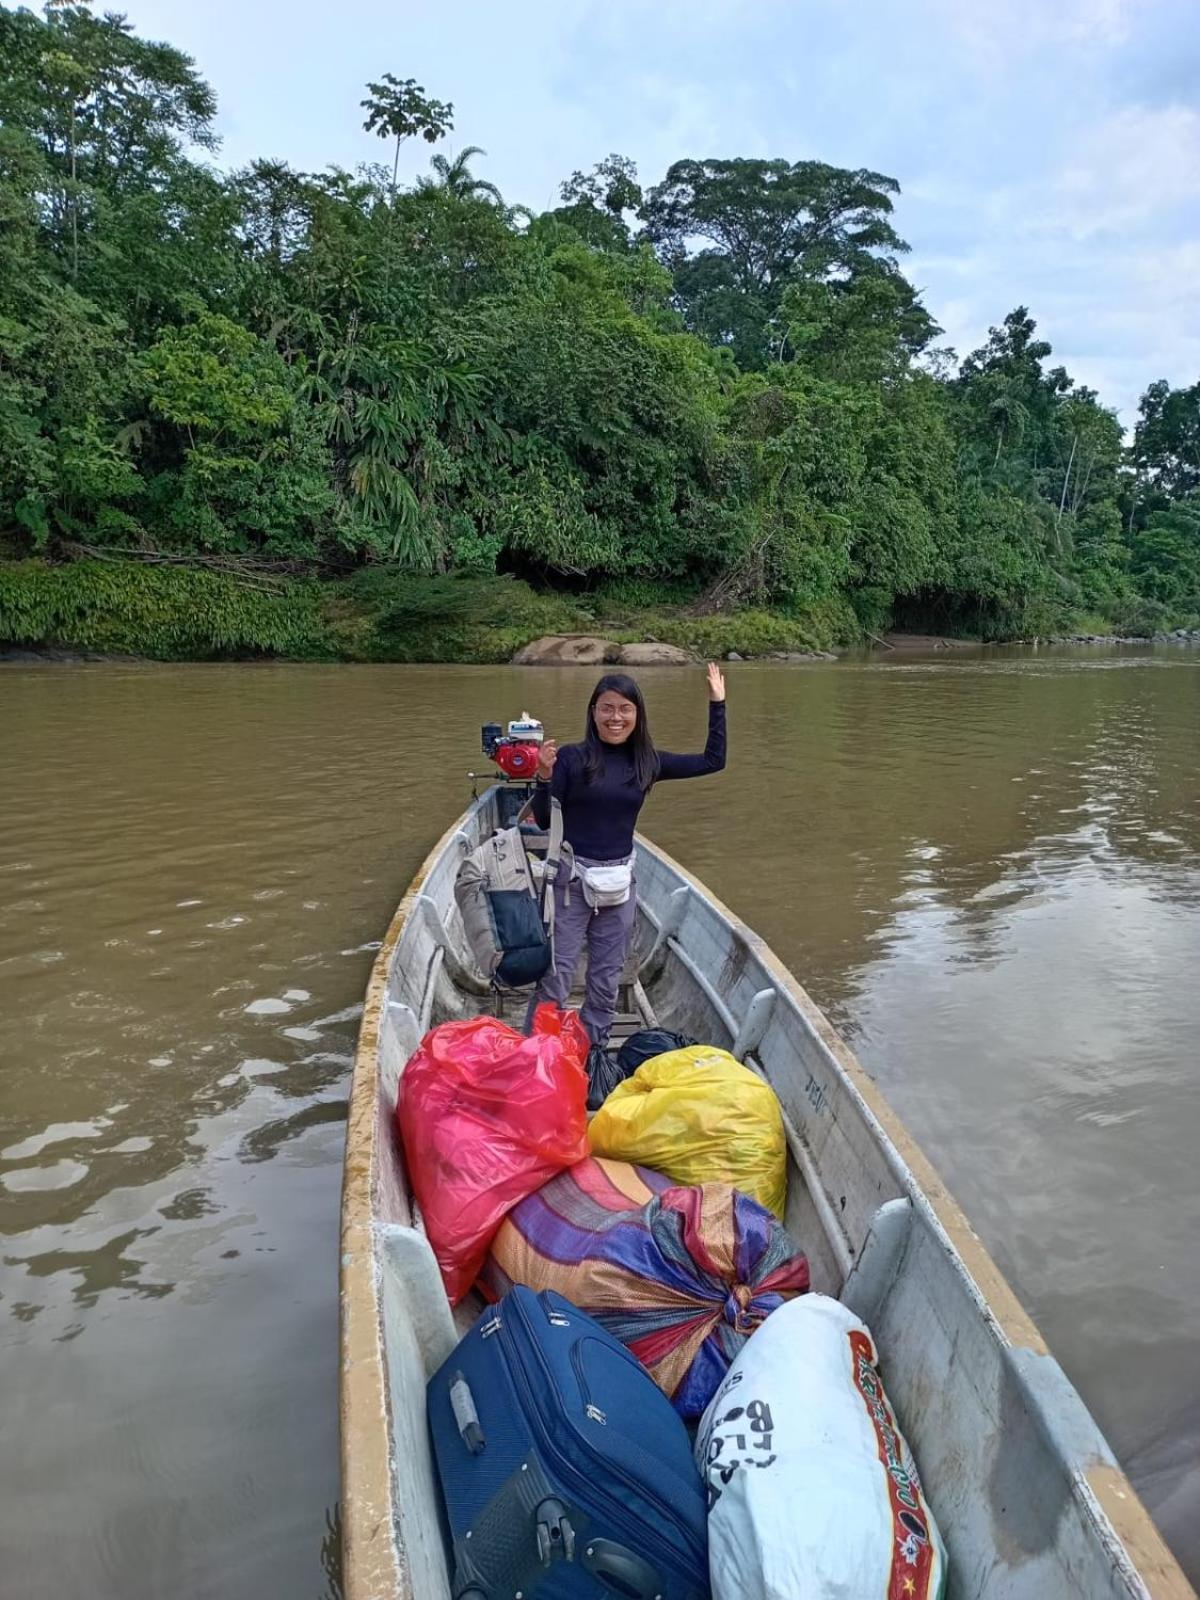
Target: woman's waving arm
713,757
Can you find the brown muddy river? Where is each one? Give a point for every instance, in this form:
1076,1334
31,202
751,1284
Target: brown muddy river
986,867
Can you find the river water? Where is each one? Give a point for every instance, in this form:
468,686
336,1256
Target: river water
985,866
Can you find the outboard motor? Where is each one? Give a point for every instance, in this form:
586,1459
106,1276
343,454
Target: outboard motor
515,752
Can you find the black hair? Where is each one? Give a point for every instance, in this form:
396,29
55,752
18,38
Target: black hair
639,744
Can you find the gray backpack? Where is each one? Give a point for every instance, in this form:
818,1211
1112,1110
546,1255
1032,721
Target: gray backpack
506,900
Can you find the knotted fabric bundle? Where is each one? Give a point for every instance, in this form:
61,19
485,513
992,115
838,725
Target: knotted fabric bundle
682,1275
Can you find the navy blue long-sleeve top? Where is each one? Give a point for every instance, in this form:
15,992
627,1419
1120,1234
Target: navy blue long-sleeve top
599,817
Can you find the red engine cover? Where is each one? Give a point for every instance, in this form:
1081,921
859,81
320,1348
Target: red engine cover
517,760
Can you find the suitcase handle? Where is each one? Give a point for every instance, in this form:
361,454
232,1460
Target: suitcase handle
621,1569
466,1418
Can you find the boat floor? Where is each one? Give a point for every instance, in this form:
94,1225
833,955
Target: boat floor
634,1011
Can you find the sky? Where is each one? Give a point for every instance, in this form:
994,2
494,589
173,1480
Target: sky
1048,151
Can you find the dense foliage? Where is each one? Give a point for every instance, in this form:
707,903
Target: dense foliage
722,389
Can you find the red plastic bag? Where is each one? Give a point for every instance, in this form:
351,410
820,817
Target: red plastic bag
487,1116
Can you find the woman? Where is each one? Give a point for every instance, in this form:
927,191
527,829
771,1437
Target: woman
601,785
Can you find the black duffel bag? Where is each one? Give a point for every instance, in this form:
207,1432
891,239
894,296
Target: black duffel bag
607,1068
649,1042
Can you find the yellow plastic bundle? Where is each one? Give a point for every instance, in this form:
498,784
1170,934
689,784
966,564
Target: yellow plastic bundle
699,1116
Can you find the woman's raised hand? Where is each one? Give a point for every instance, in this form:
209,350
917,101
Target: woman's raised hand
546,759
716,682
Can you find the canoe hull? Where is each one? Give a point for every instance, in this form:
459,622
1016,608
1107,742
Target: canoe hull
1030,1498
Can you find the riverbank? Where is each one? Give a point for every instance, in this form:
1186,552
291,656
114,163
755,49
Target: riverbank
164,613
102,610
1165,636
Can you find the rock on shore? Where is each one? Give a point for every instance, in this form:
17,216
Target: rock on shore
566,650
655,654
1177,636
586,650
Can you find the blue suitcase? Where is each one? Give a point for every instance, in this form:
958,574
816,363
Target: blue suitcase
567,1473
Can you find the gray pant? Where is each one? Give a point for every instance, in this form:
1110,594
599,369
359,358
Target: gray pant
608,933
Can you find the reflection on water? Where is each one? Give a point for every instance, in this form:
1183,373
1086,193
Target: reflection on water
331,1555
986,868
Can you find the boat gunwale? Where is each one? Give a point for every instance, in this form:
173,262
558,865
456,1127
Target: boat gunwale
368,1507
371,1569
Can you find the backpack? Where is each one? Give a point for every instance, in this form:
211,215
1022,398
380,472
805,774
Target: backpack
506,901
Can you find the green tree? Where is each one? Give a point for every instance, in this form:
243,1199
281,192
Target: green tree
234,461
1050,441
1166,555
798,448
760,225
275,210
1007,399
107,110
1166,443
858,331
616,420
595,204
399,109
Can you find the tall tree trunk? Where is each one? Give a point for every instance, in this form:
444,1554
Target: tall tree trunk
391,222
1081,487
1067,476
74,204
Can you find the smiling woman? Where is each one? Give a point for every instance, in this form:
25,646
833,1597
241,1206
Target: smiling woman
601,785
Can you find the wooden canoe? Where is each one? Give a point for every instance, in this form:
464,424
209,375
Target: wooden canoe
1028,1495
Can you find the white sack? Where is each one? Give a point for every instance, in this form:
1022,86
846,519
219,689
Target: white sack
813,1493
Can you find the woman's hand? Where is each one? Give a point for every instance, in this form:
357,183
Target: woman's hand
716,682
547,756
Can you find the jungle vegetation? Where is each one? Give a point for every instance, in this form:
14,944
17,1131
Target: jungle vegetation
325,414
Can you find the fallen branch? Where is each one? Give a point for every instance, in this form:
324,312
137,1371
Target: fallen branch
733,587
264,576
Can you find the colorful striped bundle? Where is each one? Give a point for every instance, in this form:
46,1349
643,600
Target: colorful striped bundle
682,1275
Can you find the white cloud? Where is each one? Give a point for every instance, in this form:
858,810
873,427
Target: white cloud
1009,31
1138,164
1102,243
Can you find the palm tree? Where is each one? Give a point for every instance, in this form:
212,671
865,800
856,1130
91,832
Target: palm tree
457,179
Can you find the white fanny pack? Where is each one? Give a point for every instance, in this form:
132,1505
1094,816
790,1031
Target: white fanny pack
608,885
